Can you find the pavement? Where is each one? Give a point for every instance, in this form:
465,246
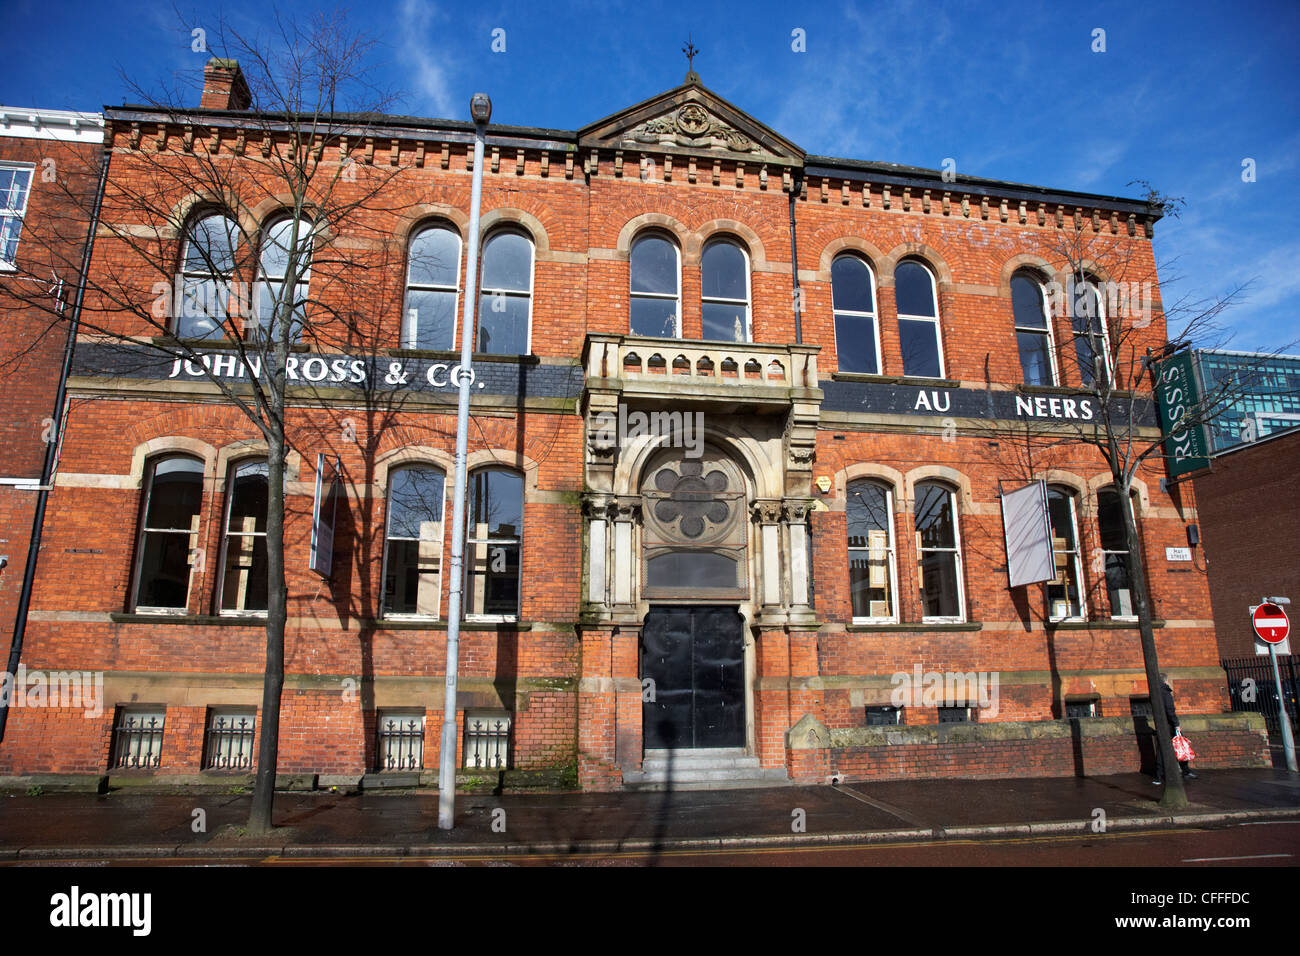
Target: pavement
192,825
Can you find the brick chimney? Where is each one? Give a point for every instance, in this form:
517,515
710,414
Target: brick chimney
224,87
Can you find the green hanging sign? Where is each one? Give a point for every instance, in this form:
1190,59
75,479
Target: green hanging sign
1187,447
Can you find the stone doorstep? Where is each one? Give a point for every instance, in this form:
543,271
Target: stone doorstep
727,768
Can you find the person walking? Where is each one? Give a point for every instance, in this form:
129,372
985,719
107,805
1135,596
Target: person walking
1167,698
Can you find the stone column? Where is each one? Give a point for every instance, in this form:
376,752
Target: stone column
596,509
795,516
767,514
624,513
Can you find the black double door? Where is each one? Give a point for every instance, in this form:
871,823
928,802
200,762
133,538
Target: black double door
695,657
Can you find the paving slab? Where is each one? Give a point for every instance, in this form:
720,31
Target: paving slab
166,823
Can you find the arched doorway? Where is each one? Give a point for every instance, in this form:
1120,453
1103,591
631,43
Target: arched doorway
695,575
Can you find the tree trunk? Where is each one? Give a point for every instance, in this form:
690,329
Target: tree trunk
259,817
1174,796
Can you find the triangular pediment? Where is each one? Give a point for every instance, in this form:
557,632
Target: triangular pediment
691,119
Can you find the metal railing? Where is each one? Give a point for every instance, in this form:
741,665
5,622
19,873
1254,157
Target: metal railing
230,742
1252,688
487,743
401,743
138,743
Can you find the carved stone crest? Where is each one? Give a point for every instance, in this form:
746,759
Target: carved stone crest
691,125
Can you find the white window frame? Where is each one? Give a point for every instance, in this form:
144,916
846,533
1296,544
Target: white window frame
676,299
749,288
1091,283
409,333
517,541
144,529
222,280
1111,489
19,214
874,317
1070,495
892,556
1047,320
953,501
225,541
306,236
484,291
933,319
385,613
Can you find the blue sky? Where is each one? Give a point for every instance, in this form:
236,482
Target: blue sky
1182,95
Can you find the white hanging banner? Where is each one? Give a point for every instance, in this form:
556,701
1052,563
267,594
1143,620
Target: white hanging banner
1028,530
323,513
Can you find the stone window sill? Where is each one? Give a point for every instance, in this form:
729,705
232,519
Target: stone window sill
208,620
916,626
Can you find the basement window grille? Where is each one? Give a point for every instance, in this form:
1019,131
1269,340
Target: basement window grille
1140,707
956,715
487,741
1075,709
230,740
138,739
401,741
884,716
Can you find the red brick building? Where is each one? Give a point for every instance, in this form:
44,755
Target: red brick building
48,162
726,501
1250,531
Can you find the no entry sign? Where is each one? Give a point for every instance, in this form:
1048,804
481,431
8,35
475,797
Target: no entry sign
1271,623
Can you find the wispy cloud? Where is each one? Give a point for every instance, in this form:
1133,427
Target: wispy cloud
428,63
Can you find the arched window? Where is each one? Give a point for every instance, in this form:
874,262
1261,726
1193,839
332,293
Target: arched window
724,283
654,287
869,510
853,296
413,551
938,552
243,585
495,530
207,262
432,290
505,303
1064,595
169,534
1033,330
1115,553
274,267
918,320
1091,342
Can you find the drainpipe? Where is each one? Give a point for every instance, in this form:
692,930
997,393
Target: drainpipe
795,186
52,447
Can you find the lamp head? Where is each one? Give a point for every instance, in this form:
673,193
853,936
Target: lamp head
480,107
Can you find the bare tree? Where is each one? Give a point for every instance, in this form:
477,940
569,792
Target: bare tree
253,233
1105,291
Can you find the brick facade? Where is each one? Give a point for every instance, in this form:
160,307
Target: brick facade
1249,531
568,669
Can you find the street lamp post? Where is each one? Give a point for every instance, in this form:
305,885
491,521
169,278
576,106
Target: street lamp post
480,108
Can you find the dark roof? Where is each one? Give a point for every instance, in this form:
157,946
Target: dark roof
542,137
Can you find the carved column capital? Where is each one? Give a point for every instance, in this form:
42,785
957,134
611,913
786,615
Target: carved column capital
766,510
796,510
